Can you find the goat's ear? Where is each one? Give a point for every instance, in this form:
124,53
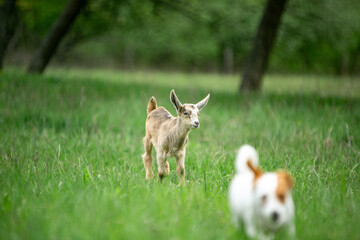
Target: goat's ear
175,101
203,102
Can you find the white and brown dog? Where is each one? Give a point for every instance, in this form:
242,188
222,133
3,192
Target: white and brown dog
261,201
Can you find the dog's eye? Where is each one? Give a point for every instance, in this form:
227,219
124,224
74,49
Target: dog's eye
263,199
186,113
281,197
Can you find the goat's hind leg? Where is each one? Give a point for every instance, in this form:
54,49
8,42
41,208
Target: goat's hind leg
147,158
167,168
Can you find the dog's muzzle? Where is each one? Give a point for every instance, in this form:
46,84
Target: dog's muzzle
275,216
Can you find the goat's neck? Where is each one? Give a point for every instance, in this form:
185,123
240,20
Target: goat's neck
181,129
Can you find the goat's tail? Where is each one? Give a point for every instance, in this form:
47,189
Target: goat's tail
151,105
247,160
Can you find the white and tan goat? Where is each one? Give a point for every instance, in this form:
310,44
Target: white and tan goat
169,134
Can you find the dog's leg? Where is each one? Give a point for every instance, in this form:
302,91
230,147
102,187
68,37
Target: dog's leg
147,158
180,168
263,236
235,220
161,161
250,230
291,230
250,227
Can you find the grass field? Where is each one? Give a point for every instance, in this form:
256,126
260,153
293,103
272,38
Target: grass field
71,145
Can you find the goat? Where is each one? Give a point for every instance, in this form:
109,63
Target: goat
169,134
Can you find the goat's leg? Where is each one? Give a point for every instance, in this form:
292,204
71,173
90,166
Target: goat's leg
167,168
147,158
163,165
180,168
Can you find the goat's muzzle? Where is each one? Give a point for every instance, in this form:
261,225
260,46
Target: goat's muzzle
196,124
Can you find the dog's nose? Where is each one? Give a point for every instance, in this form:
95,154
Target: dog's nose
196,123
275,216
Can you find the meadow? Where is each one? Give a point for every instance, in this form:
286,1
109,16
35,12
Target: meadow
71,145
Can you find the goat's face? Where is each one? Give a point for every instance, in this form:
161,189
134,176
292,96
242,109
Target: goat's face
188,113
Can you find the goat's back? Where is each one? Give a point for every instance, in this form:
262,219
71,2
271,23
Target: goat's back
156,118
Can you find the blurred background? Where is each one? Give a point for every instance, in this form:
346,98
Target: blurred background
71,138
320,37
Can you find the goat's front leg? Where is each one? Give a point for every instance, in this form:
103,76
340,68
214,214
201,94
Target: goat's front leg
163,165
180,168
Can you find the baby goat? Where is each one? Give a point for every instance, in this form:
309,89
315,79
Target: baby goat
169,135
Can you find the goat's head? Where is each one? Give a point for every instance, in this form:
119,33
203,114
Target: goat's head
188,113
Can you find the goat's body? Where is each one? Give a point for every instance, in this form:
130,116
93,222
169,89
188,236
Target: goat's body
169,135
164,132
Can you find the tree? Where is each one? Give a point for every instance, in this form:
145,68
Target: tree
52,40
323,44
8,22
257,61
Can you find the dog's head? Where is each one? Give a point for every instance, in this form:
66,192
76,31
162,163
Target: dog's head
272,198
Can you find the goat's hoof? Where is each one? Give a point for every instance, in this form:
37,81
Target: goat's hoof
161,176
182,183
149,176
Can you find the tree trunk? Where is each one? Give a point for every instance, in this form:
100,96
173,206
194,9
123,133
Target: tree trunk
228,60
8,22
257,61
58,30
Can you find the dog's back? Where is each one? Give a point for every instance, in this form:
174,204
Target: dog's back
240,196
240,190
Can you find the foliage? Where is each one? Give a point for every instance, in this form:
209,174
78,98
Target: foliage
71,145
316,36
37,17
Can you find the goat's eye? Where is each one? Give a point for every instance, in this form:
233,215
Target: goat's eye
263,199
186,113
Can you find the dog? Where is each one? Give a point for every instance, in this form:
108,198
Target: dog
261,201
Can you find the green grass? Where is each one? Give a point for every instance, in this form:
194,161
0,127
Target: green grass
71,145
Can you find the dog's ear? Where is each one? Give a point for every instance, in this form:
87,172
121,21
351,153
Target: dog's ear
285,184
175,101
203,102
286,178
257,172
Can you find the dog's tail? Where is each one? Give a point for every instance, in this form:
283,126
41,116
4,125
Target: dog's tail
247,160
151,105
